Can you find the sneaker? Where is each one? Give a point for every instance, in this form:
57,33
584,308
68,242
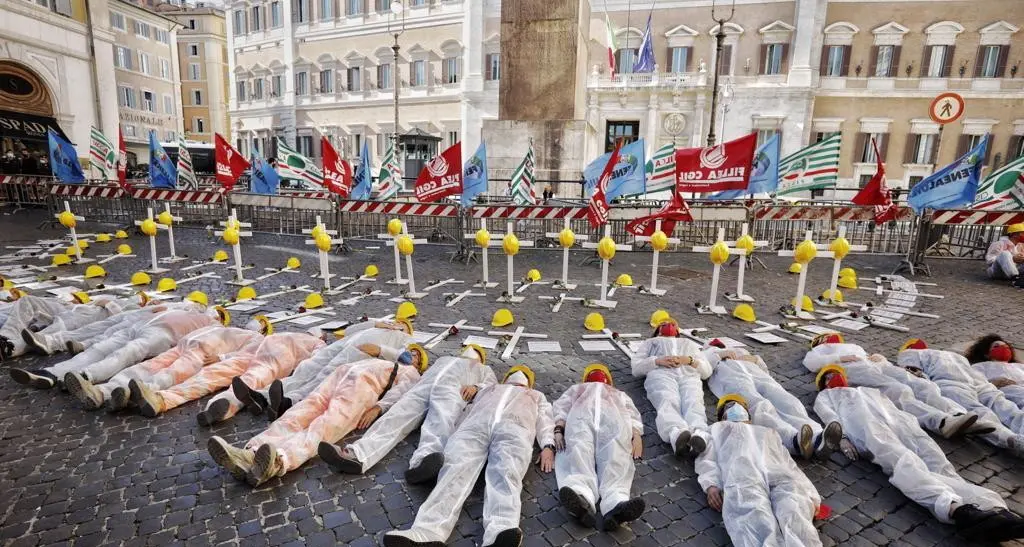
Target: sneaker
991,526
427,470
513,537
341,460
1016,446
150,403
118,400
39,379
956,425
626,511
577,506
216,412
89,395
805,441
828,441
32,341
6,348
697,445
265,466
682,445
277,405
392,539
247,396
74,347
236,460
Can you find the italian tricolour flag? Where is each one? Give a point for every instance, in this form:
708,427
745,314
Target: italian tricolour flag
611,43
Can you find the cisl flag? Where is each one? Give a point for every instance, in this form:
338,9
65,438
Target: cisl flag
337,172
716,168
597,209
441,176
230,164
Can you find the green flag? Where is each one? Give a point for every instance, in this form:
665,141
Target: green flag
291,164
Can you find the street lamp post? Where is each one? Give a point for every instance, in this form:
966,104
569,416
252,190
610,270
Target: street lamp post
719,41
396,9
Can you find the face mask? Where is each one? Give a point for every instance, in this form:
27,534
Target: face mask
736,413
518,378
253,325
835,380
1002,352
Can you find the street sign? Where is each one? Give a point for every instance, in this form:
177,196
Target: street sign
946,108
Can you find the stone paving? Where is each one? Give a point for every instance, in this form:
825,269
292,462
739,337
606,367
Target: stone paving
91,478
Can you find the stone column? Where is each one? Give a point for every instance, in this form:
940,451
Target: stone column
807,40
651,135
472,76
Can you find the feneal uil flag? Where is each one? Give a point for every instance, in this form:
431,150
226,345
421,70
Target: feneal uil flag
628,173
954,185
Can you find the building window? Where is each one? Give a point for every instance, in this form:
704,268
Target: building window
126,96
304,144
939,61
192,25
357,145
148,101
624,60
912,182
117,20
764,134
162,36
143,62
255,21
238,22
165,69
168,104
302,83
836,61
867,149
141,29
129,130
453,138
198,126
300,11
122,57
887,61
626,131
327,81
194,71
418,74
679,59
326,10
493,66
773,57
170,136
240,90
275,15
822,135
277,85
864,180
923,151
382,6
725,67
257,89
352,76
451,70
991,62
417,3
193,50
1016,149
384,76
354,7
197,97
382,143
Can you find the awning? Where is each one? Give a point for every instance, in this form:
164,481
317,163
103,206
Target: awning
18,125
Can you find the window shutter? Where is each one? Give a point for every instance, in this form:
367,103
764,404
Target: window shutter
63,7
846,60
934,159
1004,55
883,146
926,59
908,150
823,69
962,144
947,64
726,61
444,71
762,61
785,59
873,65
894,65
689,59
1011,151
295,12
979,62
860,143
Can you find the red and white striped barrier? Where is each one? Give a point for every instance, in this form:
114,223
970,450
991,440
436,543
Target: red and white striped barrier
399,208
787,212
307,195
86,190
989,218
22,179
531,213
189,196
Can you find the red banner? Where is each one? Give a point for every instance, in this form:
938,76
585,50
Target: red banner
230,163
441,176
716,168
337,172
876,192
674,211
597,209
122,160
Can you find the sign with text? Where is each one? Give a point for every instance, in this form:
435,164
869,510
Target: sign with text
726,166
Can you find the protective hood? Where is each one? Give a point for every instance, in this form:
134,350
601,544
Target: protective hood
518,378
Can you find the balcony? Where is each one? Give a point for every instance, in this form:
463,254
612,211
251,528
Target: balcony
882,85
648,80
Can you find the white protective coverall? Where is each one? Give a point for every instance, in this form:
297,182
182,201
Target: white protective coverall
597,462
999,370
98,331
965,385
27,310
498,430
131,344
52,338
768,403
676,393
435,401
914,463
767,499
999,258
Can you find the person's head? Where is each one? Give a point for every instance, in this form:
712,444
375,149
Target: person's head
260,324
716,343
406,326
1015,232
914,343
668,328
831,376
827,338
416,356
519,375
473,351
597,372
733,408
990,347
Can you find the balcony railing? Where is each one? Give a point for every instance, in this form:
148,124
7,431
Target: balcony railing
647,80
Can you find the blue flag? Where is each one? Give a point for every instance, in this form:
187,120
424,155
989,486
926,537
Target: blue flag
361,183
64,159
954,185
265,179
474,175
645,59
162,173
628,176
764,176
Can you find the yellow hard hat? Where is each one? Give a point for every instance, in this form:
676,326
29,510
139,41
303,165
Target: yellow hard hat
143,298
81,297
405,310
424,363
198,297
67,219
847,271
124,249
405,323
371,271
394,227
148,227
140,278
840,247
165,218
530,378
405,245
223,315
72,250
510,244
746,243
246,293
795,268
659,317
103,238
533,275
83,244
266,327
744,312
233,224
482,238
1015,228
805,252
317,230
847,281
606,248
230,236
734,397
479,351
120,234
16,293
95,270
827,338
61,260
166,284
805,305
5,283
719,253
597,367
323,242
659,241
313,301
594,322
293,263
502,318
827,369
566,238
220,255
829,296
624,280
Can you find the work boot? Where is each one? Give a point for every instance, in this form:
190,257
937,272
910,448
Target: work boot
427,470
33,342
341,460
74,347
39,379
697,445
279,404
392,539
805,441
252,399
1016,446
216,412
956,425
6,349
626,511
237,461
991,526
87,394
265,466
118,400
513,537
682,444
150,403
982,427
577,506
828,441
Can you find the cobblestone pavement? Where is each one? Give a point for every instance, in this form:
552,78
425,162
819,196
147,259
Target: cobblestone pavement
89,478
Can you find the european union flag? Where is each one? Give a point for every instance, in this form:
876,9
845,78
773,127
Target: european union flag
162,173
64,159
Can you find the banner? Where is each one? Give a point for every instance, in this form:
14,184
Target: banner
628,176
162,173
764,176
1003,189
389,178
337,172
676,210
102,154
230,164
441,176
474,175
715,168
361,182
597,209
952,186
296,166
265,179
186,175
812,168
64,159
523,181
876,192
122,160
661,169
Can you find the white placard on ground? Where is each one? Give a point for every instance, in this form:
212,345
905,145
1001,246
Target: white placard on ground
544,347
246,305
160,296
816,329
421,337
41,285
849,324
730,342
485,342
377,247
62,291
279,314
308,320
335,325
766,337
594,346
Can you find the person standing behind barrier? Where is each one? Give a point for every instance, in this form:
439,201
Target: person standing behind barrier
1006,254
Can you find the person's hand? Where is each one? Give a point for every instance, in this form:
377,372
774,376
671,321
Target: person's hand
559,441
547,460
638,446
468,392
667,362
1003,382
877,358
748,358
368,417
729,354
715,498
373,350
848,450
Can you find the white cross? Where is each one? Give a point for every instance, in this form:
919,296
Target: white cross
713,306
449,329
802,283
526,284
343,286
155,269
615,339
109,257
563,283
484,283
654,261
200,276
411,294
440,283
275,271
325,274
510,294
452,298
515,335
170,235
837,264
301,288
210,262
74,235
561,299
604,302
317,311
785,328
237,249
740,296
393,242
361,295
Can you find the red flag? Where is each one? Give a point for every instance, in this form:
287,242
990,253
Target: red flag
230,163
597,209
716,168
441,176
122,160
876,192
676,210
337,172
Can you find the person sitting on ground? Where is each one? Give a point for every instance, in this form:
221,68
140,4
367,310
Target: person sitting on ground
997,360
1006,254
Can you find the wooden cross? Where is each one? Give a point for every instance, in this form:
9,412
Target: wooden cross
654,262
802,282
275,271
392,241
170,233
604,302
451,298
352,281
563,283
301,288
449,330
615,338
317,311
325,273
515,335
561,299
510,295
484,283
155,268
115,254
188,279
74,235
440,283
740,296
361,295
837,261
240,279
713,306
